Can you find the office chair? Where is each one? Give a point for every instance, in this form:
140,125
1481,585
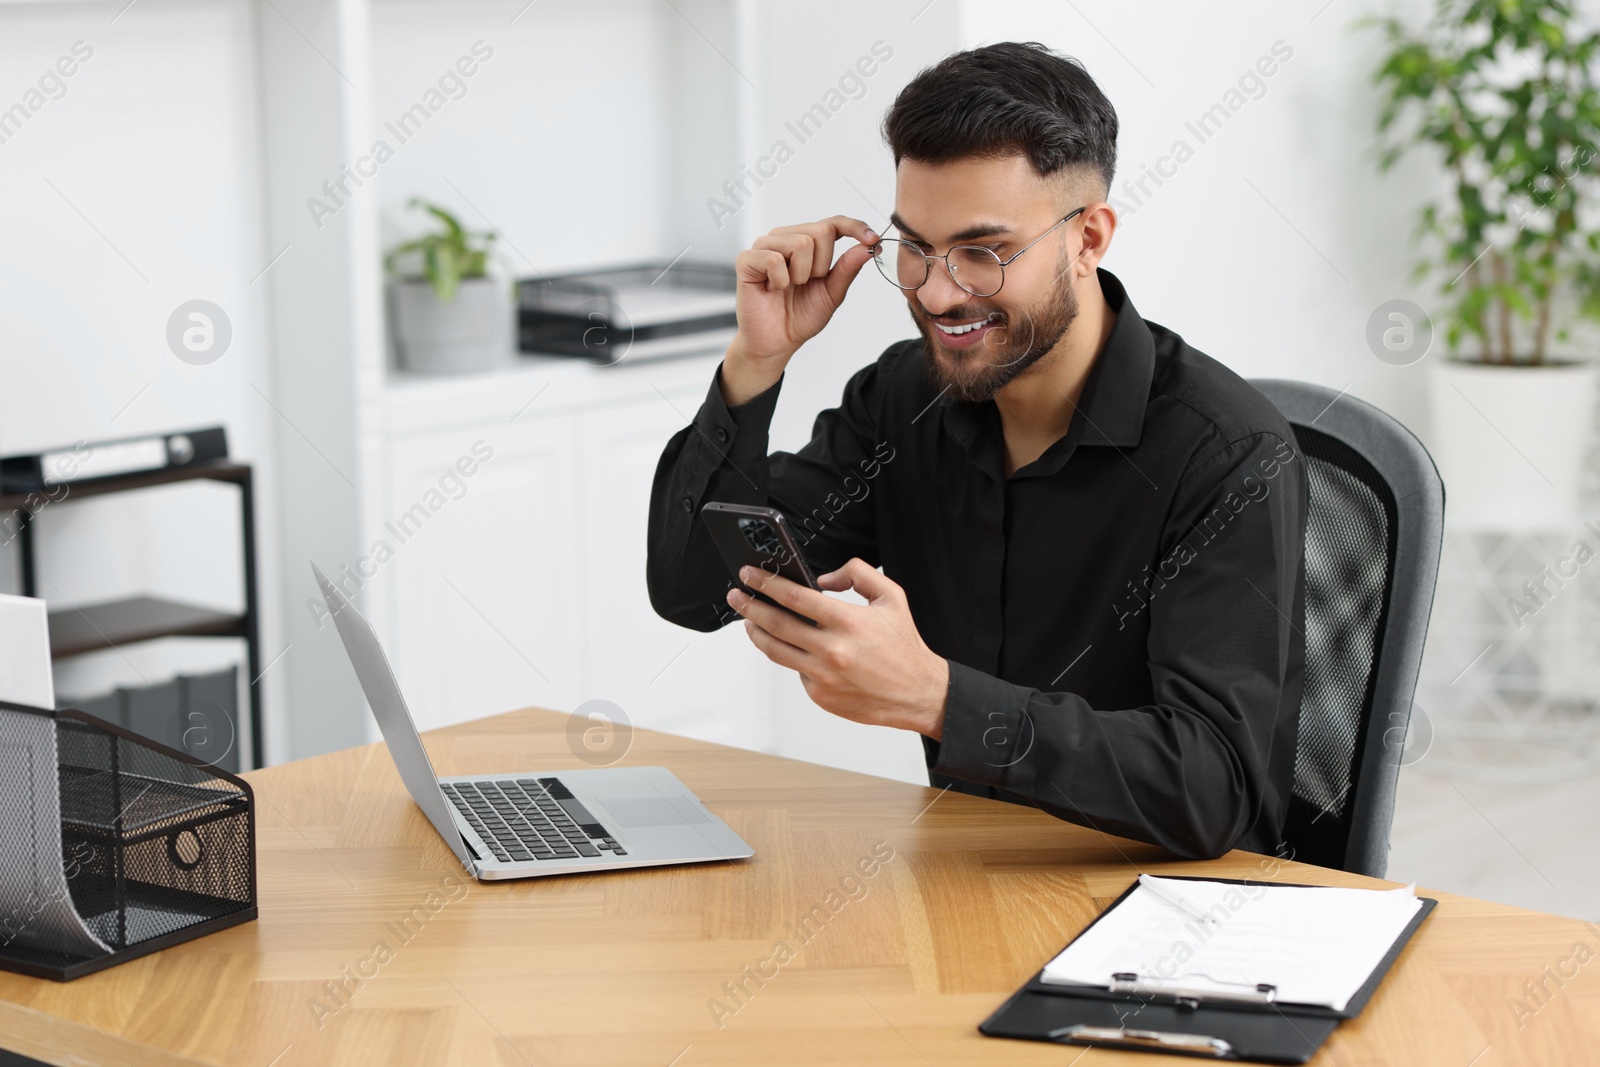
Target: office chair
1373,531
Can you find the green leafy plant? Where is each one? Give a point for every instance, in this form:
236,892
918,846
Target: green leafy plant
1505,93
449,256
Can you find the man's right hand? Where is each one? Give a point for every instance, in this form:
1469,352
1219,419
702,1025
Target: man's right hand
787,292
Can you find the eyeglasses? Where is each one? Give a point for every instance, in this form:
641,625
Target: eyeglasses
974,268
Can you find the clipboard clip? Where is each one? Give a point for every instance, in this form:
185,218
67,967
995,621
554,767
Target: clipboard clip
1146,1039
1189,997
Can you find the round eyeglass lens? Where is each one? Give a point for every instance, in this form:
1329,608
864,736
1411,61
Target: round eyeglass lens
974,268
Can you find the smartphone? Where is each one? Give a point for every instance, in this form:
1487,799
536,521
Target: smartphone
750,536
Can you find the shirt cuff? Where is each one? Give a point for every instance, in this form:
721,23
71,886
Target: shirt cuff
987,729
737,433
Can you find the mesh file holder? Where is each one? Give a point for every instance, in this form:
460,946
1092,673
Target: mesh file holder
113,846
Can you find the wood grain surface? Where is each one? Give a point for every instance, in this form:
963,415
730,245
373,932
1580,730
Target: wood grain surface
794,957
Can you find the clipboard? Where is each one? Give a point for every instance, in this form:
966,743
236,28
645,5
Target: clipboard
1237,1028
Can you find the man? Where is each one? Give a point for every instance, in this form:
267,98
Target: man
1090,532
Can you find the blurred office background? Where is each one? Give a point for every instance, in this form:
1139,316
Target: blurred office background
224,150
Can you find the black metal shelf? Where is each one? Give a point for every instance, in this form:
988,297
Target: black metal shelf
75,631
95,627
221,470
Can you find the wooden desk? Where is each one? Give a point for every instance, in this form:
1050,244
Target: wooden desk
624,968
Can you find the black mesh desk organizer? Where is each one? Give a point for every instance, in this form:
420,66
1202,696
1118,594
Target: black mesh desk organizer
156,847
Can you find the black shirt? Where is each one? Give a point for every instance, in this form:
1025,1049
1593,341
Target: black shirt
1121,616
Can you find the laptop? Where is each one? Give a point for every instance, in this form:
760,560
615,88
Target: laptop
535,822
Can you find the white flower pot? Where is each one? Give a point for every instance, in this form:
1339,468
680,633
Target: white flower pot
1511,442
463,335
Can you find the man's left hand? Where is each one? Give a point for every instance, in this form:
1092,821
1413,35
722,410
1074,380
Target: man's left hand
864,662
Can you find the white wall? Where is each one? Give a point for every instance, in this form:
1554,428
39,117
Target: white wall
135,191
557,141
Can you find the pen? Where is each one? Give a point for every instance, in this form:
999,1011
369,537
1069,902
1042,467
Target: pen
1117,1035
1178,900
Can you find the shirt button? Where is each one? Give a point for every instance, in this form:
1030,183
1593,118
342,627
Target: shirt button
688,503
722,435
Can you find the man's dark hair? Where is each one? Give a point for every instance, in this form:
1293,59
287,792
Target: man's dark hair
1001,99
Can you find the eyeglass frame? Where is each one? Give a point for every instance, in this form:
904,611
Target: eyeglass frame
927,259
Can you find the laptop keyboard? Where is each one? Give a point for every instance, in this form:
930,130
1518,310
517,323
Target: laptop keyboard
530,819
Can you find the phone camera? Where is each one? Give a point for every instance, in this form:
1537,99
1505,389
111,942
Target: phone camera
760,535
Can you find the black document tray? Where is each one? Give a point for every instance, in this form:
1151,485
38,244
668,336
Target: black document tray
1271,1033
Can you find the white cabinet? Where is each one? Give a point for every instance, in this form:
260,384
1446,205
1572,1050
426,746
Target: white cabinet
715,686
485,606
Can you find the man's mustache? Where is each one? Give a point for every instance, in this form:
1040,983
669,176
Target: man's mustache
963,315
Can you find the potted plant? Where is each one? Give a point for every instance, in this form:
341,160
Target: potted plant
1505,95
449,313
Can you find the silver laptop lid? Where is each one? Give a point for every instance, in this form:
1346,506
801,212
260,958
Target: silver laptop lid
389,707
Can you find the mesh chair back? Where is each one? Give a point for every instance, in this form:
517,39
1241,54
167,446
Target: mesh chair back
1349,554
1373,529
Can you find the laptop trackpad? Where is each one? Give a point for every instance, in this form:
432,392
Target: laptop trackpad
634,812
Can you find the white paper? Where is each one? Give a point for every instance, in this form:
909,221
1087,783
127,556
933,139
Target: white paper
75,465
1316,945
36,906
25,652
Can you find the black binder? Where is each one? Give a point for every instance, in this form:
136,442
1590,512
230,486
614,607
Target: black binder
1267,1032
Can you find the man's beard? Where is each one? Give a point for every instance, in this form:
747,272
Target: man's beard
976,374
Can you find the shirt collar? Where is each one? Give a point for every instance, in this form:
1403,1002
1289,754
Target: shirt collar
1111,409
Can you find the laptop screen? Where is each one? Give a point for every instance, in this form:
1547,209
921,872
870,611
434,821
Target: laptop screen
389,708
